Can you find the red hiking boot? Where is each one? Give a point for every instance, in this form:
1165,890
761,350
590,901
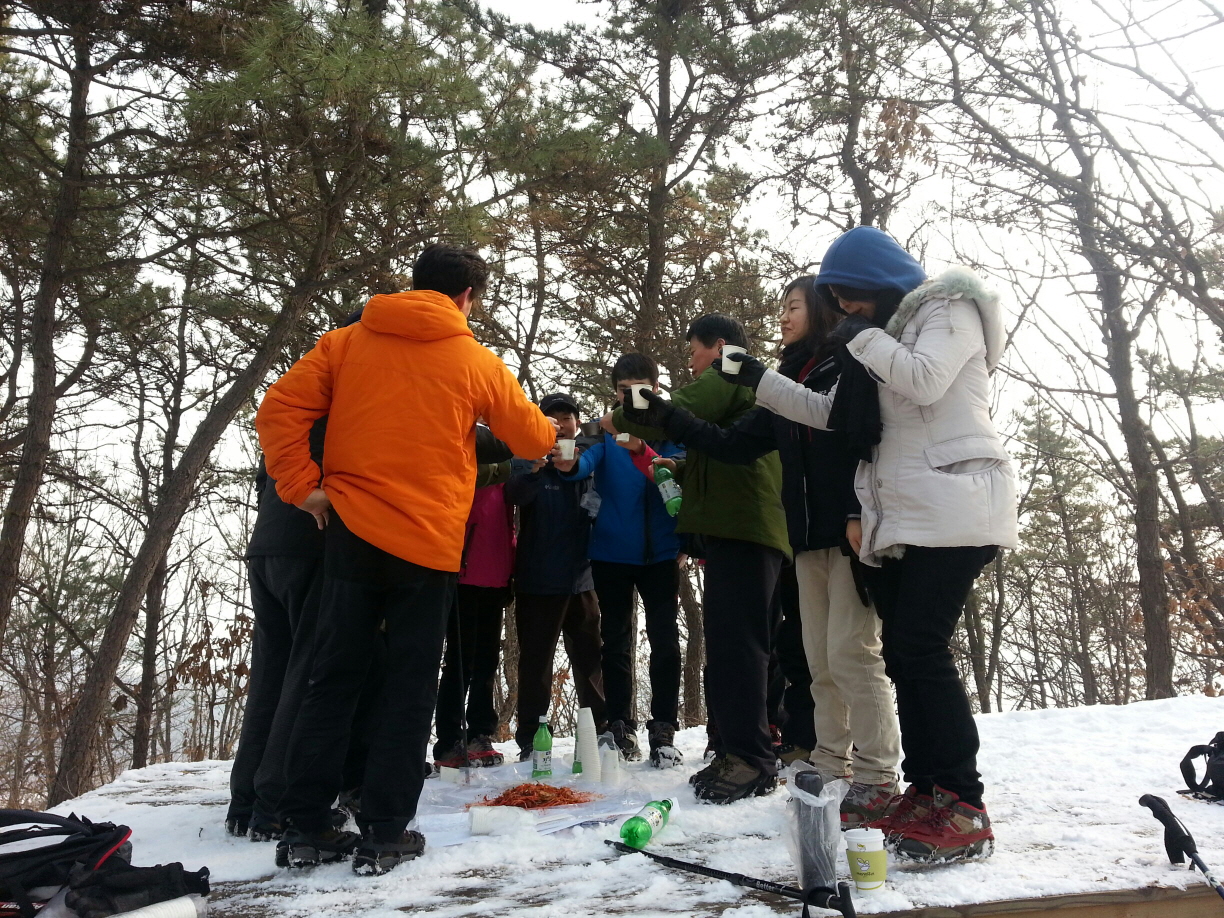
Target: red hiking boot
952,831
902,810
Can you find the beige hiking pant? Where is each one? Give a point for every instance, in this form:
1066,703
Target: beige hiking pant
856,719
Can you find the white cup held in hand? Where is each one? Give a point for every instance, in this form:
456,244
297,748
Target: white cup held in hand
732,367
640,401
567,448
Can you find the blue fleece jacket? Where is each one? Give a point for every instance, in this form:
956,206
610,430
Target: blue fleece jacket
869,259
632,526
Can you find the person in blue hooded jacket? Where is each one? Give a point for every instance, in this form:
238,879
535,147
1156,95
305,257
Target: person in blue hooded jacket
634,546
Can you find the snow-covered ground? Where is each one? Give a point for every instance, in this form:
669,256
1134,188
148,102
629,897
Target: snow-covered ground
1061,785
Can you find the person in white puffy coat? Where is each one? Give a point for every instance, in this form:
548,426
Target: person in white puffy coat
939,498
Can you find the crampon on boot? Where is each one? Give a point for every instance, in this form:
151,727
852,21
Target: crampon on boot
374,857
952,831
309,849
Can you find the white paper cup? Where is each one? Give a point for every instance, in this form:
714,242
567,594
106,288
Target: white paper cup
567,448
499,820
867,859
732,367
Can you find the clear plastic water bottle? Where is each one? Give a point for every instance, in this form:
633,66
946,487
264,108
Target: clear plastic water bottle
668,488
541,751
640,829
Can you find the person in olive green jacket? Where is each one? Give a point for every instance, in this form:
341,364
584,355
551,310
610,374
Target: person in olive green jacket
734,519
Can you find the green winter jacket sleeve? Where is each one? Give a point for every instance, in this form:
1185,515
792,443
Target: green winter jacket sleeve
728,501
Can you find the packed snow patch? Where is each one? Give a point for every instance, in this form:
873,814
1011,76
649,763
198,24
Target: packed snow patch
1062,791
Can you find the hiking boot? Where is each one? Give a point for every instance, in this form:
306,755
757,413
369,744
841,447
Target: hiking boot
789,754
282,853
952,831
626,740
775,739
237,825
663,751
455,757
482,754
264,829
866,803
525,753
901,811
729,778
374,857
309,849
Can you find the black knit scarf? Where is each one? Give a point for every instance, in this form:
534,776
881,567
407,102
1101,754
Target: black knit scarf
856,403
856,407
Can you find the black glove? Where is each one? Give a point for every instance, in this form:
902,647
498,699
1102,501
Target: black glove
111,890
752,371
656,415
848,329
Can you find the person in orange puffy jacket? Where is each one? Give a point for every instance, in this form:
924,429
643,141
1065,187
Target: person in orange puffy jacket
402,389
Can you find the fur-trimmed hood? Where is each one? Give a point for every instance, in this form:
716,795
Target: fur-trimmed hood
953,284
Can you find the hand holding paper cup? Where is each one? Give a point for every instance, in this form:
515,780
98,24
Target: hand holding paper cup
732,367
567,449
640,401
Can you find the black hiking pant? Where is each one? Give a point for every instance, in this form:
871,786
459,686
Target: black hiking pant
919,598
539,620
796,719
285,592
475,628
365,589
658,585
740,581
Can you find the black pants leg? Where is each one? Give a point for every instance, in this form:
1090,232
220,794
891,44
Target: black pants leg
614,587
475,625
919,598
739,589
490,608
798,724
537,622
364,587
659,587
285,595
580,631
455,678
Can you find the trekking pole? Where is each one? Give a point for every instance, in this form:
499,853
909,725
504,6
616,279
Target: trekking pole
1179,843
821,897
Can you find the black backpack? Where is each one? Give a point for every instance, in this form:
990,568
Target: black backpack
37,851
1212,785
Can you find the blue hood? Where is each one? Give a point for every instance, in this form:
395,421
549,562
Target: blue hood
870,259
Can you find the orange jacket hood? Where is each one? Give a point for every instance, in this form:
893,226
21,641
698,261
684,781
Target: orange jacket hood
421,315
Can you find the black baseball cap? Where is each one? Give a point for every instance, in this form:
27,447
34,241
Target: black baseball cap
560,400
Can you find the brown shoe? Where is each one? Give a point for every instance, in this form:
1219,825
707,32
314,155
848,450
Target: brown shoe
902,810
953,831
865,803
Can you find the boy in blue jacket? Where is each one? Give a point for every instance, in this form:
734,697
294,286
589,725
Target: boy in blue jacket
634,545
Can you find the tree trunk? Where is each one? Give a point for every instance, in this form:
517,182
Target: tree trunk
77,758
154,604
40,415
694,654
1153,596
